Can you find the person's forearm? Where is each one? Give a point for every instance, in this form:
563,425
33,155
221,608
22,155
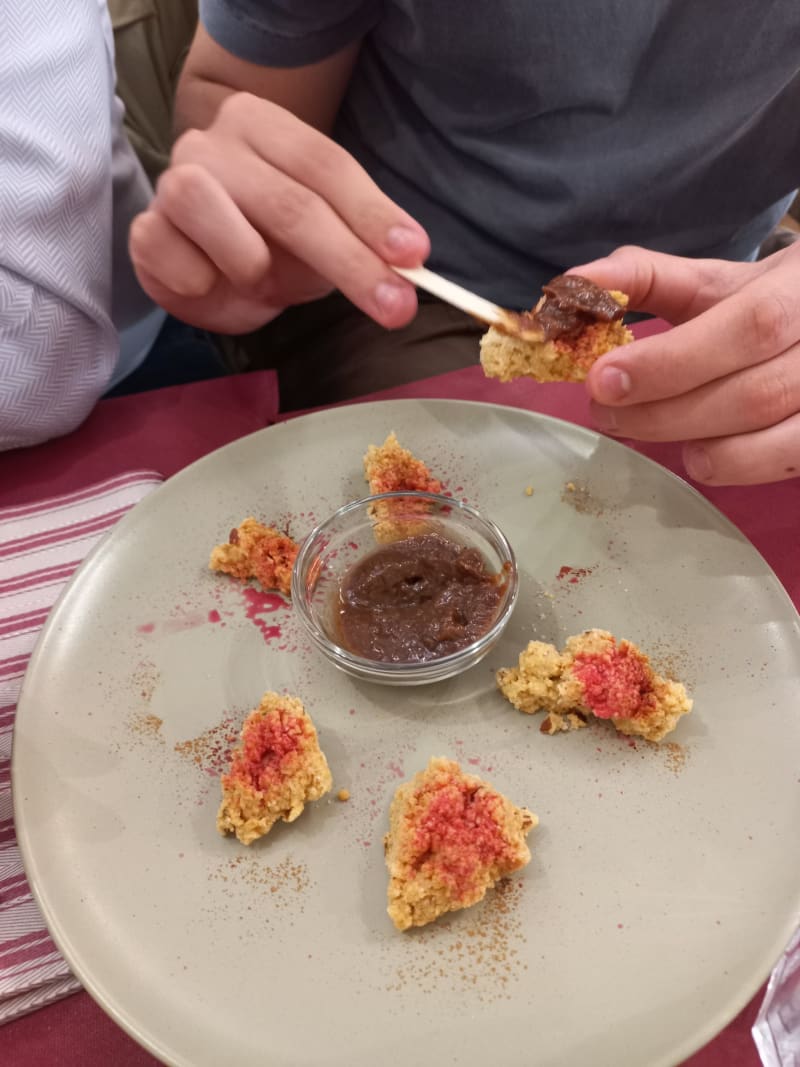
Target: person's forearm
197,101
211,74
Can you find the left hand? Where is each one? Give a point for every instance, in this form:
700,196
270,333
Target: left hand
725,380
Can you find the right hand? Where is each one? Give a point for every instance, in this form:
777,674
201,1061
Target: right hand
261,211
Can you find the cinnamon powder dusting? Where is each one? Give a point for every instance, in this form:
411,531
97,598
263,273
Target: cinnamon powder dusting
211,750
480,955
145,679
145,725
282,884
675,755
580,498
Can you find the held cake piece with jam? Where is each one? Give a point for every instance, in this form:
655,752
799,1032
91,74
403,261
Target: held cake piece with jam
451,838
596,675
278,768
573,324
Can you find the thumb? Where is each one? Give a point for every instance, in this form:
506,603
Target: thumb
673,287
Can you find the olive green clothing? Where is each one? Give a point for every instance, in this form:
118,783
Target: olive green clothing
151,39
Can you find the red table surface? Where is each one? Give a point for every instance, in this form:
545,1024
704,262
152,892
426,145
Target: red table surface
167,429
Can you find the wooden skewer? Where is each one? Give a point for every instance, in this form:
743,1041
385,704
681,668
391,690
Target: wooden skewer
483,310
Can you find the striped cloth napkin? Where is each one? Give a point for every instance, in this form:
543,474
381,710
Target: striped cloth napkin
40,547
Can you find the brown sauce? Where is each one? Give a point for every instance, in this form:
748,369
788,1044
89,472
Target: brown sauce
570,303
417,599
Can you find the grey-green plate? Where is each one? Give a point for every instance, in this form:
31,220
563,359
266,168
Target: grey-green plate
664,881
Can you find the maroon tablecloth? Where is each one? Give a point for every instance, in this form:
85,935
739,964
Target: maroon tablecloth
168,429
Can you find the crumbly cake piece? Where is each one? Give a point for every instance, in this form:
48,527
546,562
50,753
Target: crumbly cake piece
254,550
451,838
595,675
390,468
534,354
277,769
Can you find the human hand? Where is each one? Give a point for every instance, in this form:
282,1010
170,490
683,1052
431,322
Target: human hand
725,380
261,211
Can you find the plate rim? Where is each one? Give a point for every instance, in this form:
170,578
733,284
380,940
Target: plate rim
161,1049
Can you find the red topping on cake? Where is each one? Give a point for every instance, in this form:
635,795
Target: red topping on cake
268,747
410,477
458,835
272,559
617,683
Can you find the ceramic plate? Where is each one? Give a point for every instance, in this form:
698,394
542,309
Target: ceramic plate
664,879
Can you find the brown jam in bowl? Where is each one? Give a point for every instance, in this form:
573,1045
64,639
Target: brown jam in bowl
417,599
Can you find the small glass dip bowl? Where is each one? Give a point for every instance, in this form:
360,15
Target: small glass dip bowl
331,553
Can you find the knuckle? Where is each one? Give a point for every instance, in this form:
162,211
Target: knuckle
146,242
180,189
190,145
238,110
139,234
769,399
770,324
313,158
639,262
251,270
372,218
291,207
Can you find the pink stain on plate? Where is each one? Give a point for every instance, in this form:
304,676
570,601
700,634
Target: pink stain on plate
259,604
146,628
185,621
214,616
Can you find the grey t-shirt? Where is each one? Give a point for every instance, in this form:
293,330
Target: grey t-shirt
528,136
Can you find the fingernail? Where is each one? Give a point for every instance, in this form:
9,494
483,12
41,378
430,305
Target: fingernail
389,296
605,419
612,384
698,463
404,239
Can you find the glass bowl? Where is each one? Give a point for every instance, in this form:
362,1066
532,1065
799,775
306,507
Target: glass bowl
361,528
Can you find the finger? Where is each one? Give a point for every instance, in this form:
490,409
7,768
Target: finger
221,310
672,287
769,455
753,325
753,399
157,248
316,162
198,206
297,219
